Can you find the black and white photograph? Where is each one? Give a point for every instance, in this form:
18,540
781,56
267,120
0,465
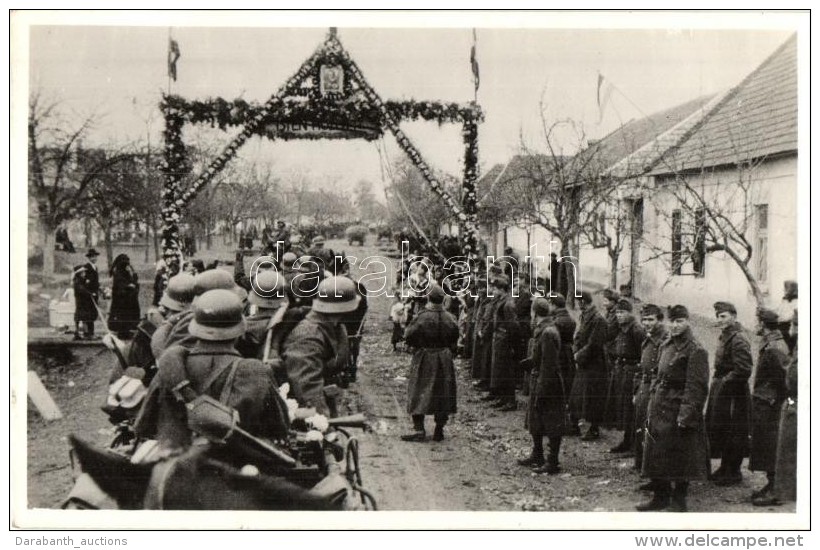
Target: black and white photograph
348,263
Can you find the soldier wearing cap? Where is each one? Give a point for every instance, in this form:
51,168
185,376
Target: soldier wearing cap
675,449
588,395
768,394
86,283
626,355
431,384
656,334
522,297
727,414
565,325
505,329
609,299
174,330
212,367
546,407
268,295
315,352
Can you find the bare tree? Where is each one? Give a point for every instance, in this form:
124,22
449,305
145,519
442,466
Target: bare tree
59,174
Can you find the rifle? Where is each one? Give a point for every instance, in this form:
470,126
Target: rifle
274,321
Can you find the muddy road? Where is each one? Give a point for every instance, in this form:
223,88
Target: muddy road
474,468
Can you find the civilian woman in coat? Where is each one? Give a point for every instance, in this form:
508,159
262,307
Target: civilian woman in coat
675,449
545,411
431,386
125,304
767,399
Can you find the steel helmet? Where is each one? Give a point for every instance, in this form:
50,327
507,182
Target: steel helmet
336,295
267,290
179,292
217,316
212,279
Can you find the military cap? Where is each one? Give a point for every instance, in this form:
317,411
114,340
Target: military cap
307,264
586,296
91,253
623,305
652,310
280,223
318,239
767,316
541,307
217,316
721,307
179,292
557,299
678,312
436,294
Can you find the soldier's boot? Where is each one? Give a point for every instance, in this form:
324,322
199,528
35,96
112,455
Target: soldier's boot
648,486
77,334
551,467
592,433
766,488
678,503
766,496
536,457
418,430
660,498
438,433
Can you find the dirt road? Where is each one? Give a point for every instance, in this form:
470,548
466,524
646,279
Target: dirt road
474,468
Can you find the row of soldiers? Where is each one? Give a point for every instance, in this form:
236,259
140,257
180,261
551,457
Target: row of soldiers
238,341
647,379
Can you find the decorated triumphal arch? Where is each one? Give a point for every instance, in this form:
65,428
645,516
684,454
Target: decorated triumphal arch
327,98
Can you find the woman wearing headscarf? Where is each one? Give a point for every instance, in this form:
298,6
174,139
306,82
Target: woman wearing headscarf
125,306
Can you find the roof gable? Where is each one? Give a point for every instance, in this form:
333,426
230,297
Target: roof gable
756,119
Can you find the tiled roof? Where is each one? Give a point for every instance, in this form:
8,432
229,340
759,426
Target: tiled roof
636,135
756,119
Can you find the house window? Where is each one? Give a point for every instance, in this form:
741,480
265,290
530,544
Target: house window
677,242
699,243
762,244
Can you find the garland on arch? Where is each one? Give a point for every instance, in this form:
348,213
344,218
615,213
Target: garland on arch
354,110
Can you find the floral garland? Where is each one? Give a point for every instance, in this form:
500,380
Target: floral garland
356,112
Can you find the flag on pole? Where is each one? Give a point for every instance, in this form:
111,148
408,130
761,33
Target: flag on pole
173,56
605,89
474,63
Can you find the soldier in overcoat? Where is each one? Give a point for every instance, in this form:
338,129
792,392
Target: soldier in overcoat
431,384
656,334
626,357
316,350
505,330
609,299
768,394
565,325
547,398
483,334
589,387
86,283
675,449
727,414
785,488
211,367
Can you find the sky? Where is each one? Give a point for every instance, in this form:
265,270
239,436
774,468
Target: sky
118,72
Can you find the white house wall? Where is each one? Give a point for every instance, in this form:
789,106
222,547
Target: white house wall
774,184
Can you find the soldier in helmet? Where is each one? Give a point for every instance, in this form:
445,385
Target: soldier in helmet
174,330
431,387
167,268
324,256
212,367
315,352
268,295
